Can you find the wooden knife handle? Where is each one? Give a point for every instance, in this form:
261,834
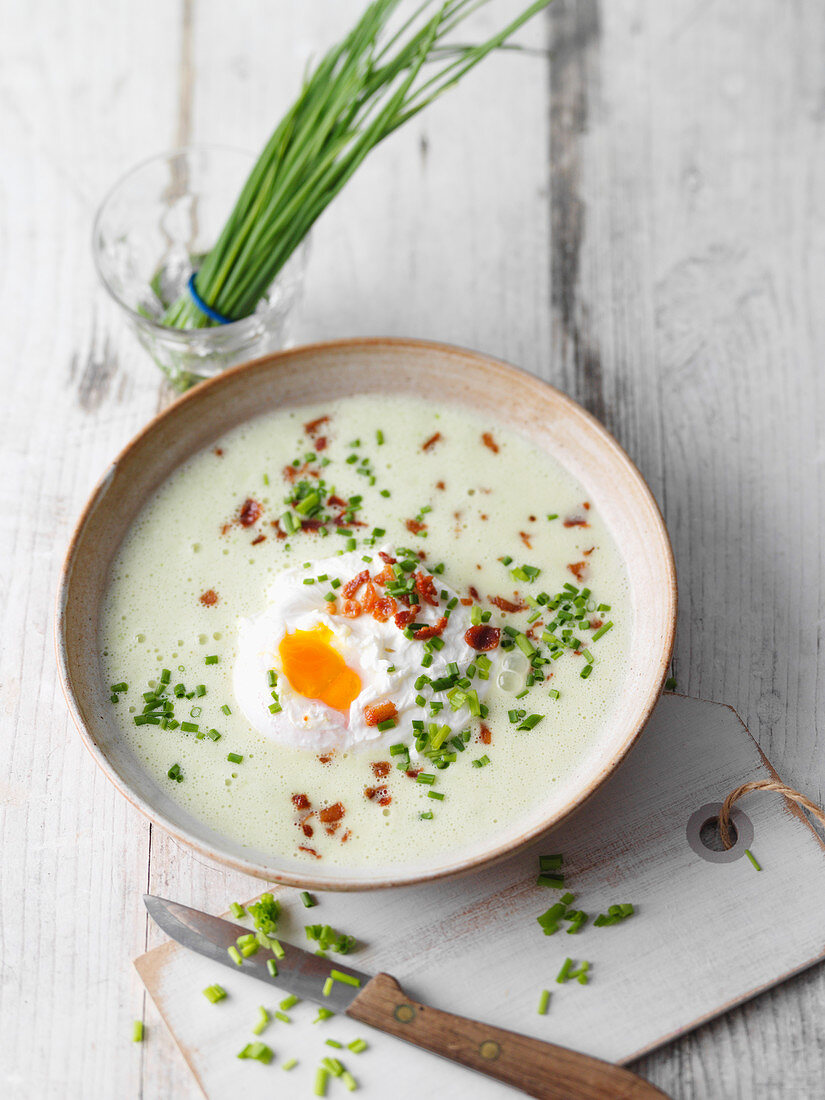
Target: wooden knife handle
539,1069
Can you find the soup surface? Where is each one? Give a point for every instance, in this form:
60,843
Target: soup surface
366,632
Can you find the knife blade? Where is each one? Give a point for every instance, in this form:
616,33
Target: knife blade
540,1069
299,972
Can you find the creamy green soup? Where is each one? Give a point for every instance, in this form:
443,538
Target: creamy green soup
260,537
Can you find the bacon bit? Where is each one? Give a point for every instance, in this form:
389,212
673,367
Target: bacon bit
306,828
415,526
312,426
320,443
351,609
326,757
260,538
440,485
331,813
473,592
425,587
482,637
534,628
380,769
586,505
331,830
378,794
311,524
587,553
431,442
595,624
370,597
351,587
311,851
404,618
484,735
331,607
525,538
227,527
374,713
279,531
466,601
250,512
433,631
577,568
346,836
532,519
301,802
507,605
488,441
576,521
336,502
483,516
387,558
413,772
209,598
384,609
218,451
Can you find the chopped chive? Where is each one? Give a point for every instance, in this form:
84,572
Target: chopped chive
137,1031
553,515
554,693
585,672
552,882
276,949
225,709
550,863
544,1001
249,949
506,560
259,1051
291,1063
321,1078
234,955
379,437
482,761
357,1046
346,979
237,910
200,691
753,859
334,1043
349,1080
436,794
272,967
388,724
323,1014
670,683
288,1002
308,900
214,993
532,720
234,758
282,1016
121,687
602,630
263,1021
428,816
564,973
327,987
425,777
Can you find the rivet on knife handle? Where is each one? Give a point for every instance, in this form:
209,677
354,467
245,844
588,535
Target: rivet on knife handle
539,1069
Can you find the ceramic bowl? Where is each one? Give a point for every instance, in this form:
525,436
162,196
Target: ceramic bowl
499,392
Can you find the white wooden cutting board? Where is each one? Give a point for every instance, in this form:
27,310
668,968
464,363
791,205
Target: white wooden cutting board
709,931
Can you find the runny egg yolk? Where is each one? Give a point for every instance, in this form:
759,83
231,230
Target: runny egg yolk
316,670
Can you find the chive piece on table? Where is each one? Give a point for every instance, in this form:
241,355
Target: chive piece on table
346,979
321,1078
137,1031
214,993
234,955
357,1046
237,910
753,859
544,1001
308,900
291,1063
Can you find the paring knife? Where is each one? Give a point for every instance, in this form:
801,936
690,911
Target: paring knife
539,1069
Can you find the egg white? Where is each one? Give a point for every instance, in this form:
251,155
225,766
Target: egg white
368,647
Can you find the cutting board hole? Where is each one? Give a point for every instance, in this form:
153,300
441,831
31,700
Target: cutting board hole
711,837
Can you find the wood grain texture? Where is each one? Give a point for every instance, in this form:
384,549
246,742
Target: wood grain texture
536,1068
676,152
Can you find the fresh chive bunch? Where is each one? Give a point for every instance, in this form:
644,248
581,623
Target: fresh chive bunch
362,90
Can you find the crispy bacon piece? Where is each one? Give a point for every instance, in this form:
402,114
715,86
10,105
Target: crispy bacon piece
305,826
311,427
250,512
577,568
595,624
404,618
525,538
346,836
440,485
378,794
428,444
415,526
326,757
331,813
226,528
375,713
488,441
351,587
311,524
259,539
507,605
385,576
387,558
473,592
381,769
411,773
331,607
484,735
482,637
576,521
425,587
384,609
311,851
301,802
209,598
433,631
586,505
336,502
351,609
218,451
279,531
320,443
466,601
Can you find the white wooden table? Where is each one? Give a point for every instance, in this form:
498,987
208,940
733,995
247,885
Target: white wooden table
635,210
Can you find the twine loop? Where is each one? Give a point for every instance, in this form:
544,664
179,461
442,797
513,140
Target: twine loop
202,306
763,785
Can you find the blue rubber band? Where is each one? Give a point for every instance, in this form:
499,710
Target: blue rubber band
203,307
